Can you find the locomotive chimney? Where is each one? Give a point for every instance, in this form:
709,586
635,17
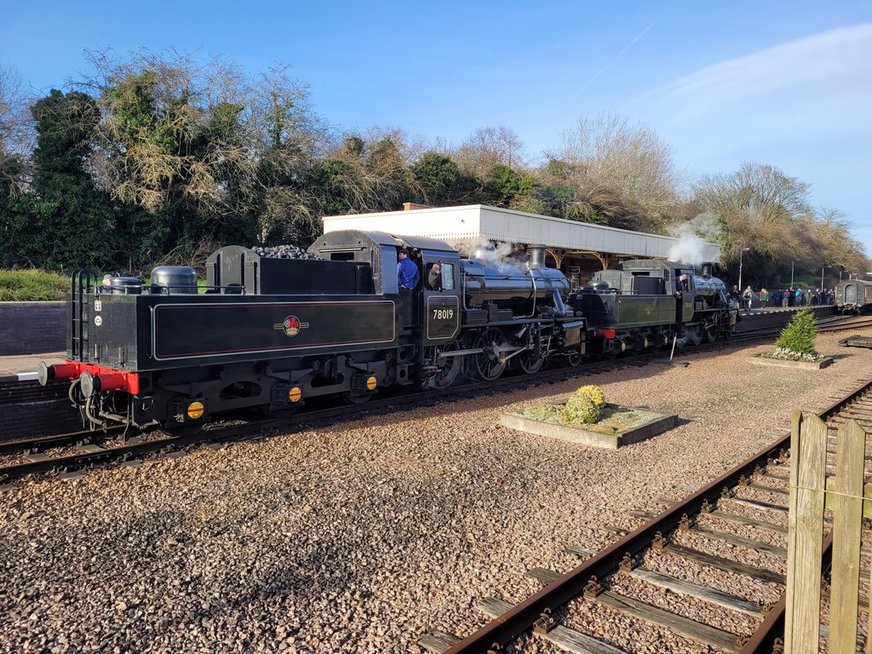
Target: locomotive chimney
707,270
537,256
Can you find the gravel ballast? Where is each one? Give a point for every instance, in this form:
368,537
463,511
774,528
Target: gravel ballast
361,536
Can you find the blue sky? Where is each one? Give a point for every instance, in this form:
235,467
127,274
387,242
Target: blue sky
776,82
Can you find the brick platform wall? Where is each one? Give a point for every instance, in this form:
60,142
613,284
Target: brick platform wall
32,327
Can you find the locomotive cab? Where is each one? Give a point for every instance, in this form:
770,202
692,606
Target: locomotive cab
440,298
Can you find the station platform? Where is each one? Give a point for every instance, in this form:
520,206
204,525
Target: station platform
23,367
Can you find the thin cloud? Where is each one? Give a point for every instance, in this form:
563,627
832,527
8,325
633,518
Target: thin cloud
624,50
803,65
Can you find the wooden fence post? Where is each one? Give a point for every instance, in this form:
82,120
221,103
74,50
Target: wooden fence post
808,458
847,527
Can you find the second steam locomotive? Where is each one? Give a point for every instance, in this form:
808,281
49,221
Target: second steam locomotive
273,332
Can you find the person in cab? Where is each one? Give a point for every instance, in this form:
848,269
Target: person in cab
407,272
434,277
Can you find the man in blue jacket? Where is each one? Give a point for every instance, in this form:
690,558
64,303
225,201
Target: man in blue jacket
407,271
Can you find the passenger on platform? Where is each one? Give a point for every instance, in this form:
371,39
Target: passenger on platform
764,297
791,296
747,297
407,271
434,278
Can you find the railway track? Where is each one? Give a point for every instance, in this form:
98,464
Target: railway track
70,452
75,451
825,325
708,569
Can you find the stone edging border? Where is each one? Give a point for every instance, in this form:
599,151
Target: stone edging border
656,426
785,363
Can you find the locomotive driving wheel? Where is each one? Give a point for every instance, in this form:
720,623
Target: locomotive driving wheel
710,332
694,334
531,361
489,364
574,357
449,367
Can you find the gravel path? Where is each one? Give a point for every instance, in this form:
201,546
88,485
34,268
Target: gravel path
361,536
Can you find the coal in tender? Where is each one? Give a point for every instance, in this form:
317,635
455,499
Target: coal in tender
283,252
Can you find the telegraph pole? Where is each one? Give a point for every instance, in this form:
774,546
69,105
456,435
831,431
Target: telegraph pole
740,267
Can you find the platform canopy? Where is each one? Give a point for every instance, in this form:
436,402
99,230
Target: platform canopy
562,238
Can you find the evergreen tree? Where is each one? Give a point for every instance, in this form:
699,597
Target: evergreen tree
507,188
797,339
442,183
65,221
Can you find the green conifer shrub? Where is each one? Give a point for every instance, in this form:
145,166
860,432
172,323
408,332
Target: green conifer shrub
797,338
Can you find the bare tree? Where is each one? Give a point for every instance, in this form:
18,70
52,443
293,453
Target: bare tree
16,131
614,169
162,141
759,207
489,147
288,142
408,148
372,173
833,243
281,113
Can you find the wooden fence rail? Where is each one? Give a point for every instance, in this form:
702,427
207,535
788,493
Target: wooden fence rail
812,491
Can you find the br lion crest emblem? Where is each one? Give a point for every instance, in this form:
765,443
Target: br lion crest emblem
291,326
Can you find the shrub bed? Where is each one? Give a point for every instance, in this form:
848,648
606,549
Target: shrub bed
32,285
796,341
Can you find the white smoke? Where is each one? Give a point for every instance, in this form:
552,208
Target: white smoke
692,237
491,253
689,249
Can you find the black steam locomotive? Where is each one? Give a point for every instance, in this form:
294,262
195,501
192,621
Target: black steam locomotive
273,332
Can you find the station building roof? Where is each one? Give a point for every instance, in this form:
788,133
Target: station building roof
479,222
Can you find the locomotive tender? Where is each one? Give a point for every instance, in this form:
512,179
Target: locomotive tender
273,332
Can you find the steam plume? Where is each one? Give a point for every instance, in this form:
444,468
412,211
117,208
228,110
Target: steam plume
692,236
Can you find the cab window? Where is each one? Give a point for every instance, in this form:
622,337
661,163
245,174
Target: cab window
440,276
447,276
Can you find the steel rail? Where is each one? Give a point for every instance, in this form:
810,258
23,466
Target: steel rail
186,437
135,448
772,628
522,617
57,440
